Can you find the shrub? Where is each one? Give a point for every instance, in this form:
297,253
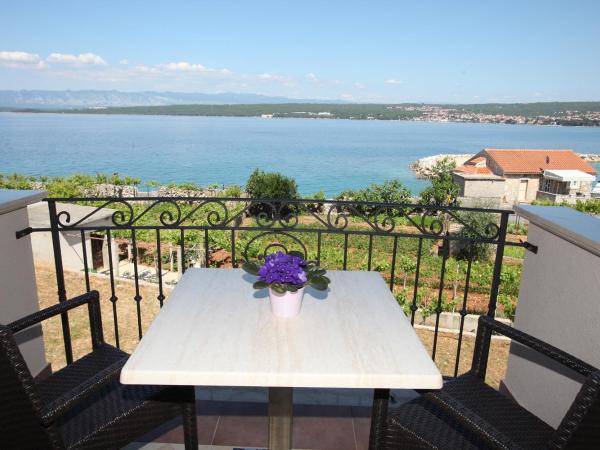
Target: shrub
509,305
271,185
403,301
516,228
390,191
475,228
233,191
316,207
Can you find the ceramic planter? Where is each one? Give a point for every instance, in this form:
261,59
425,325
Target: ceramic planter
287,304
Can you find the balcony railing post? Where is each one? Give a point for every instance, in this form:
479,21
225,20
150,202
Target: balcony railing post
60,278
498,264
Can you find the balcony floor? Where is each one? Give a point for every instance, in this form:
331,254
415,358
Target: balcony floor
324,419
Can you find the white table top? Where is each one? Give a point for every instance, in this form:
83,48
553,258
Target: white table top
216,330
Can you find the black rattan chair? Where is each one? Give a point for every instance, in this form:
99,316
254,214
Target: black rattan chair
468,414
82,405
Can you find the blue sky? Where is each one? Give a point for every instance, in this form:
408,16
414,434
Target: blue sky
380,51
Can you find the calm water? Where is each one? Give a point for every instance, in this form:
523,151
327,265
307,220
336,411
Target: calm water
328,155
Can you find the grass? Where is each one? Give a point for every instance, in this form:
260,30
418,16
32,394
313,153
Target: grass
126,310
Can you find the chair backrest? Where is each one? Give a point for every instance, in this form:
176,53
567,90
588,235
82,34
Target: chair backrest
20,406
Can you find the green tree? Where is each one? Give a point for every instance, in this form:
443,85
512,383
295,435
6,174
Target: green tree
443,190
407,265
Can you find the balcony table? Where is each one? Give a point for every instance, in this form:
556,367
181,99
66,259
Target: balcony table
216,330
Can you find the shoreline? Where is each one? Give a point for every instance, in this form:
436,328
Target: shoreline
103,112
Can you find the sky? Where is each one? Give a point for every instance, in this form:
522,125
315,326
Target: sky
363,51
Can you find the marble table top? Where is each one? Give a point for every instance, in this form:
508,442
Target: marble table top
216,330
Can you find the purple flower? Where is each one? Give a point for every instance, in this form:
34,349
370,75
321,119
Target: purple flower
283,268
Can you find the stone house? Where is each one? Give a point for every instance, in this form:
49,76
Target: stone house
509,176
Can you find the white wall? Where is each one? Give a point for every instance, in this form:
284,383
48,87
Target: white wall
70,246
559,302
18,295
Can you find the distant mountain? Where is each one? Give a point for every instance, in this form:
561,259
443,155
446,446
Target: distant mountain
99,99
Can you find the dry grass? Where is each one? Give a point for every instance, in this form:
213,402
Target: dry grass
446,347
125,307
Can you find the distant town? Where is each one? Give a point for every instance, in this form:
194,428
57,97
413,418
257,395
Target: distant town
542,113
433,113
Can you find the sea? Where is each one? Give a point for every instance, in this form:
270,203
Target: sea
320,154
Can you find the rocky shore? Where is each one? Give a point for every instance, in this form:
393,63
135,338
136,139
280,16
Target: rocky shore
590,157
422,167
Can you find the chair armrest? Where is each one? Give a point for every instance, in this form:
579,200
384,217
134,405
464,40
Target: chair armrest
92,299
487,325
81,391
474,422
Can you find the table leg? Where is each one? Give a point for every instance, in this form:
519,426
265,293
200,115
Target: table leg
190,430
381,398
280,418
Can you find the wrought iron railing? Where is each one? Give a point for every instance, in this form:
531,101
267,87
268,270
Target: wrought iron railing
338,234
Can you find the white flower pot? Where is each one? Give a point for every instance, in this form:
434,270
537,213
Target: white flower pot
287,304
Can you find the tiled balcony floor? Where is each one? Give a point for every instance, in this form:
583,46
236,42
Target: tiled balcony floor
226,424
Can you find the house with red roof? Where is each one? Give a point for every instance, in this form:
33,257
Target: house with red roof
508,176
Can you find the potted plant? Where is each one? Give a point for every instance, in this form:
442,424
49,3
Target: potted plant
286,275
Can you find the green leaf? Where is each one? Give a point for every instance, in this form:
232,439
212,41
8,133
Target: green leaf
278,287
319,283
260,285
296,253
250,267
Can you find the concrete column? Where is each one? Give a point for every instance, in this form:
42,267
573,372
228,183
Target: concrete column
559,303
129,252
105,259
17,274
179,263
171,257
115,256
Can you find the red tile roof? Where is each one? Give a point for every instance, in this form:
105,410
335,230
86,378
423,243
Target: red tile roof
535,161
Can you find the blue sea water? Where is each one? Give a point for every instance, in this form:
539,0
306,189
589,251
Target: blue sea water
322,155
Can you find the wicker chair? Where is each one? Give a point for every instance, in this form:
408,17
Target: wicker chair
82,405
468,414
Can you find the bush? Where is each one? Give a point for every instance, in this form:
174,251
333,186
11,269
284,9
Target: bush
233,191
516,228
509,305
317,206
476,228
591,206
271,185
390,191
